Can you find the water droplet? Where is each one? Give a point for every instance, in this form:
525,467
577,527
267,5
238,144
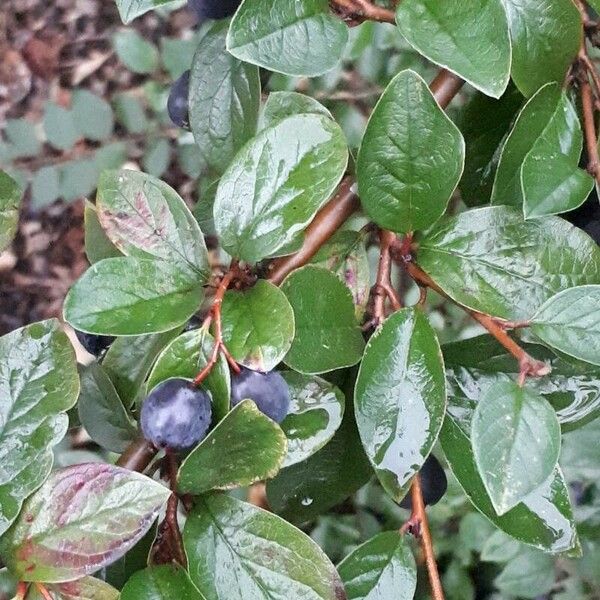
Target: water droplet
306,501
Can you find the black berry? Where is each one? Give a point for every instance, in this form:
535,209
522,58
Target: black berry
269,391
214,9
94,344
194,323
433,483
177,104
176,415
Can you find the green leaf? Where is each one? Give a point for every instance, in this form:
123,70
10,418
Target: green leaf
327,334
411,157
542,48
161,582
491,260
38,383
315,414
543,520
157,157
303,491
484,123
400,398
185,357
93,115
255,447
136,53
224,99
130,113
551,180
499,548
383,567
45,186
345,255
130,9
237,551
111,156
97,244
516,442
294,37
132,296
528,575
23,138
277,183
83,518
145,217
10,201
470,39
101,411
86,588
258,326
177,54
60,127
77,179
280,105
477,363
528,128
569,322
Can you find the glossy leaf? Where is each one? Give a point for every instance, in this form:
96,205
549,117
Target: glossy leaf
546,35
161,582
258,326
477,363
131,296
146,218
383,567
303,491
97,244
130,9
570,322
516,442
529,126
493,261
484,123
346,256
327,334
224,99
410,159
543,520
294,37
277,183
10,200
315,414
83,518
101,411
400,398
470,39
280,105
129,360
551,180
254,448
237,551
185,357
38,383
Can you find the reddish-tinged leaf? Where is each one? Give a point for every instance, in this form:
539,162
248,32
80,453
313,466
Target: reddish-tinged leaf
83,518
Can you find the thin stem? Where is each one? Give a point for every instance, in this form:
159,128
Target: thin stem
43,591
22,587
445,86
171,513
527,364
138,455
589,127
215,314
363,10
383,287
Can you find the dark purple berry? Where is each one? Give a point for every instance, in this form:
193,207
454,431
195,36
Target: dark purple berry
214,9
194,323
177,104
433,483
269,391
176,415
94,344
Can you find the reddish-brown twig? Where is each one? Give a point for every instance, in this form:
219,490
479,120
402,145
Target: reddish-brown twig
418,525
138,455
363,10
215,318
383,287
22,588
171,513
43,591
528,366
